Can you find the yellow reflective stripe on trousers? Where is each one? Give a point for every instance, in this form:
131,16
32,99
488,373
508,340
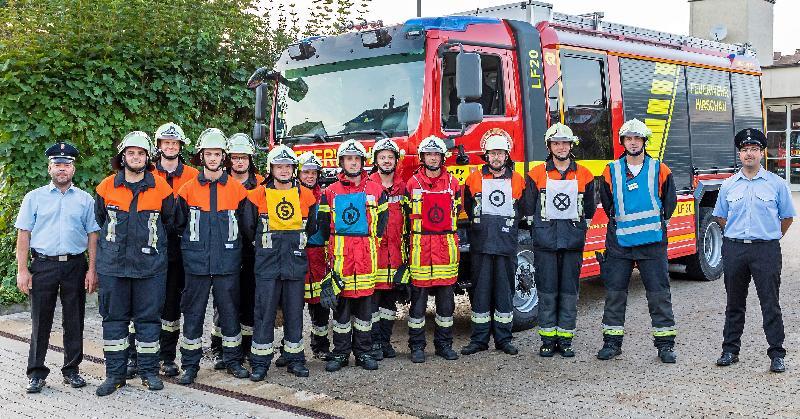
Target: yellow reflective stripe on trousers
261,349
362,325
416,323
292,347
319,330
147,347
481,318
564,333
386,314
548,332
232,341
169,326
613,330
191,344
341,327
246,330
444,321
665,331
115,345
503,317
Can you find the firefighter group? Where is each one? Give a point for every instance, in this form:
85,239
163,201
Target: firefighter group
169,236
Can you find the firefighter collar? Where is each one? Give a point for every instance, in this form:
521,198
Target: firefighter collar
201,177
550,165
177,173
485,170
149,181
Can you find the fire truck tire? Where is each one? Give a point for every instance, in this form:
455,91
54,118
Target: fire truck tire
706,264
526,301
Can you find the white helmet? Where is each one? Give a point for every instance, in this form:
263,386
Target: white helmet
560,132
351,148
241,143
309,161
635,128
432,144
170,131
281,154
211,138
497,142
385,144
136,139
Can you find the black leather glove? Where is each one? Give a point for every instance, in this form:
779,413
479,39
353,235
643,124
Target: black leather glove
329,291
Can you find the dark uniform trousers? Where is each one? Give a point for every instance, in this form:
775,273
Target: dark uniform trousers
384,313
225,289
247,301
445,306
557,282
762,261
171,314
350,314
493,279
320,318
139,300
51,279
269,295
616,274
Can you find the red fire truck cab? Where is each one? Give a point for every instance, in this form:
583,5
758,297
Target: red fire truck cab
520,73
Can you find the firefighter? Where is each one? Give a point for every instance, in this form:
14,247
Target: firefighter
493,202
241,167
207,219
169,164
638,196
755,209
310,169
391,281
560,204
279,215
352,218
135,210
434,197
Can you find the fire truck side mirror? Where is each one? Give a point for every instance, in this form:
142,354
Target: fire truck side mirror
259,133
261,102
469,78
469,113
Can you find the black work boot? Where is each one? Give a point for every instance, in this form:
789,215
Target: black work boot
152,382
216,353
366,361
473,348
323,355
169,369
132,370
337,362
110,385
508,348
667,355
237,370
281,361
388,350
609,350
298,368
258,374
548,348
565,348
188,376
447,353
417,355
377,351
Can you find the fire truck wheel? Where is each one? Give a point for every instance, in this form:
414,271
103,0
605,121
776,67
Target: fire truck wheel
525,299
706,264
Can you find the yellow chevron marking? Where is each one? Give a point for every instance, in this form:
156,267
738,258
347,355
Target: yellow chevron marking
658,106
662,87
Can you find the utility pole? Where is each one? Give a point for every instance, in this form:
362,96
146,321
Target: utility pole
419,8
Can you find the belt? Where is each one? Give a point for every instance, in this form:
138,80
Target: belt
59,258
749,241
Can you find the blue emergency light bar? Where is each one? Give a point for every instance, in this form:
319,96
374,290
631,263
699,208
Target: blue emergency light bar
450,23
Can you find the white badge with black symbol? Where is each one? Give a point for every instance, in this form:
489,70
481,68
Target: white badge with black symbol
496,197
562,199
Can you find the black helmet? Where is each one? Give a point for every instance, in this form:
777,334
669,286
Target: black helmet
750,136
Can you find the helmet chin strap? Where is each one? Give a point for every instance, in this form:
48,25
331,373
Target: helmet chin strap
432,168
561,158
386,172
354,175
284,181
636,153
241,172
169,157
137,171
311,186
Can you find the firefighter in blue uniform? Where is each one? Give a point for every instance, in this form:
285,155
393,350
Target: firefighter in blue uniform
755,209
638,195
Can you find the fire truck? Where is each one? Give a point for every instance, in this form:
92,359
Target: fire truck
517,69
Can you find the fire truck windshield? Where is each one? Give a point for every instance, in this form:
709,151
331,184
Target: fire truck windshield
373,94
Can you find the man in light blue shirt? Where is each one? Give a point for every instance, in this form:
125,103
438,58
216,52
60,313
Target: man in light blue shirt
56,224
755,209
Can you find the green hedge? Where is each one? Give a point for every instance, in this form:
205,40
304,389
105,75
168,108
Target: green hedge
89,71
